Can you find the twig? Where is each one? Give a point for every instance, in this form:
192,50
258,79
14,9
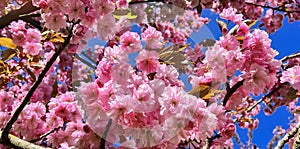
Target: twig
290,57
238,140
210,140
18,143
230,91
14,15
4,137
272,141
287,137
45,135
83,60
266,96
102,143
250,137
274,8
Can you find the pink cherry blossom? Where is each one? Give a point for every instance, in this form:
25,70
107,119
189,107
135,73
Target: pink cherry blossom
230,14
32,48
153,38
257,79
291,75
228,131
243,29
33,36
106,26
147,61
55,21
131,42
103,71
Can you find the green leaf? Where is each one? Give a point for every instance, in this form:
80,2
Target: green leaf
7,42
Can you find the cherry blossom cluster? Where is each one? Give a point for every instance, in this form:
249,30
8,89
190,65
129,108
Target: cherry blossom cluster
28,38
139,103
253,9
144,103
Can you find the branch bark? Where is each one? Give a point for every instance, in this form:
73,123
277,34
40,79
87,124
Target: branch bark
296,143
290,57
288,136
14,15
18,143
230,91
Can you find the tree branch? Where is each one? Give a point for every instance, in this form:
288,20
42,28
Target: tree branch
290,57
230,91
4,137
288,136
210,140
266,96
296,143
18,143
274,8
14,15
102,143
45,135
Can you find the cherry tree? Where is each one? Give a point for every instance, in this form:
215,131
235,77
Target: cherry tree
58,91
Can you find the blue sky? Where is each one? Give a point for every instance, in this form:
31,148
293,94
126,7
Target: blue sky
286,41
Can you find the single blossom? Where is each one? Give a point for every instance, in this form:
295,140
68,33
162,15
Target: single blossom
291,75
32,48
153,38
131,42
147,61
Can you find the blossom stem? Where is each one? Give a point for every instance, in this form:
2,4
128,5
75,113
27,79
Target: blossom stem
267,96
45,135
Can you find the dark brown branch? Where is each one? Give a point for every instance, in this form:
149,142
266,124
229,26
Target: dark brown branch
103,138
45,135
4,137
14,15
230,91
273,8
